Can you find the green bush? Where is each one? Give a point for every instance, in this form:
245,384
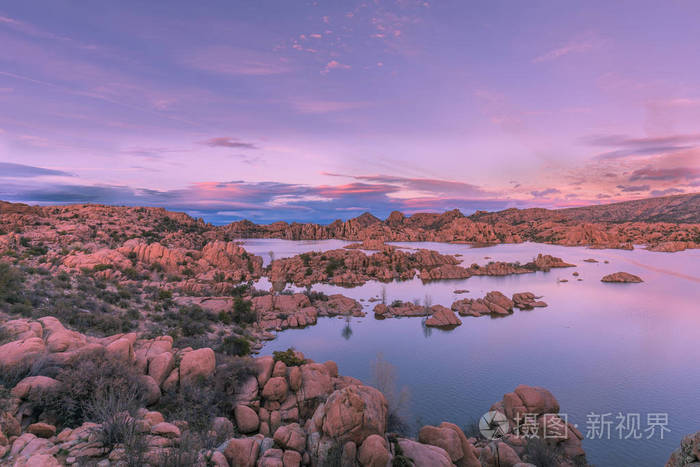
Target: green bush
11,284
287,357
234,345
242,311
333,264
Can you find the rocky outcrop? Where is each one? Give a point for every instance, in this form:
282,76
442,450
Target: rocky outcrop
621,277
283,311
688,453
401,309
671,247
532,413
352,267
442,318
546,262
494,303
527,301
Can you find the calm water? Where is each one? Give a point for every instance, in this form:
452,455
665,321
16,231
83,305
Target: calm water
600,348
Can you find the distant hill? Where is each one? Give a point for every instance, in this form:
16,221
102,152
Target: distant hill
679,209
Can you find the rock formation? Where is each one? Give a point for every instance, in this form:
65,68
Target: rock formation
621,277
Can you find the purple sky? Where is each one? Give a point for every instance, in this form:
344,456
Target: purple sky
291,110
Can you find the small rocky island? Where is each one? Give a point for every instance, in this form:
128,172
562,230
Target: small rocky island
624,277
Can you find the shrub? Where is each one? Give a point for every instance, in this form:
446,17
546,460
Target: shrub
287,357
539,453
5,336
11,284
200,401
165,295
93,384
114,414
235,345
333,264
471,429
242,311
316,296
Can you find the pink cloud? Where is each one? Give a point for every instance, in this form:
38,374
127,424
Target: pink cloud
334,65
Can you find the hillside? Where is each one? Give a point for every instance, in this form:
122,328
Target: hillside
675,209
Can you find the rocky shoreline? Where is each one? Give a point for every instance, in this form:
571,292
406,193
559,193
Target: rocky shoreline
284,410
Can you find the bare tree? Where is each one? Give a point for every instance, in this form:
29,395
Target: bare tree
427,303
384,379
383,295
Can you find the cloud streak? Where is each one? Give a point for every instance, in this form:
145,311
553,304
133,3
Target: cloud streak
12,170
228,142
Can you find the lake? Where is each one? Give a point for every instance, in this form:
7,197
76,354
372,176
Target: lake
598,347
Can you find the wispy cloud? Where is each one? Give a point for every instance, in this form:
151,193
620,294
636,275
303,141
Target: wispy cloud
633,188
323,106
427,186
545,192
12,170
226,60
666,192
572,47
228,142
666,174
624,146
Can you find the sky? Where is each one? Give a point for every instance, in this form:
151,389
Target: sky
314,111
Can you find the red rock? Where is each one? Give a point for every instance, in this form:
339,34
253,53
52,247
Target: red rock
445,438
264,365
160,367
470,458
166,430
316,381
197,363
242,452
425,454
291,436
332,368
121,349
442,317
621,277
42,430
275,389
355,412
14,353
291,459
537,400
32,387
294,378
374,452
247,420
42,460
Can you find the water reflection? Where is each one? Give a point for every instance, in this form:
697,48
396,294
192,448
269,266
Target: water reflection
347,330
